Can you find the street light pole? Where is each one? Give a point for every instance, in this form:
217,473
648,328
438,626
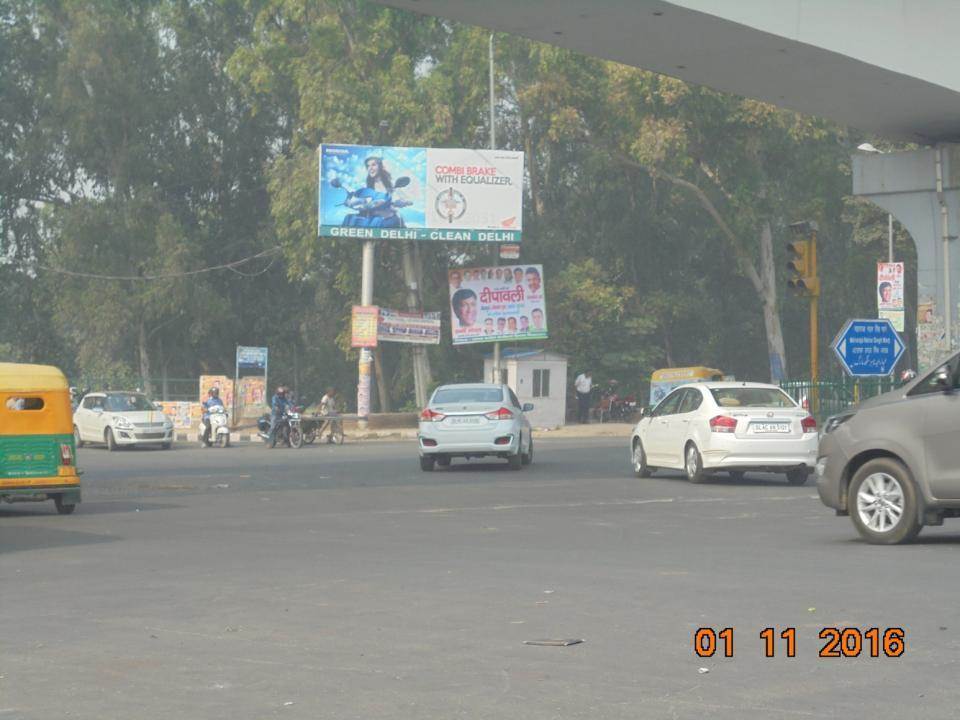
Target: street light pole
493,146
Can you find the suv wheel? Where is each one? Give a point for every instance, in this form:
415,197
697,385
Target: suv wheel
882,502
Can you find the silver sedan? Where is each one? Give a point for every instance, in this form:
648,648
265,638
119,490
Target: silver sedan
475,420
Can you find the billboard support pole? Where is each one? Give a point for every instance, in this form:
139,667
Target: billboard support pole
366,357
236,385
493,146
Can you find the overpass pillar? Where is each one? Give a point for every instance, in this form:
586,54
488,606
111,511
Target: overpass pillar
921,188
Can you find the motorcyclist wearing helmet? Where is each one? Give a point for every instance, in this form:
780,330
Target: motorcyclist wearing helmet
279,404
213,399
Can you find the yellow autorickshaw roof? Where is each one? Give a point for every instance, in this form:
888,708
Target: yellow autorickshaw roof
23,377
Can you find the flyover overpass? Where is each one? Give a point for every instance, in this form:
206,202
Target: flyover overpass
888,67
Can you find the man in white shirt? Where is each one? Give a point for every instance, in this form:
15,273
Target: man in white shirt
583,384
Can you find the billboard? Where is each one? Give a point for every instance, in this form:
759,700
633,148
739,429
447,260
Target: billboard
491,304
399,193
409,327
363,326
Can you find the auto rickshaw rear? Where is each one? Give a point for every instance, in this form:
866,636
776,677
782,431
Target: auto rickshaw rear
37,450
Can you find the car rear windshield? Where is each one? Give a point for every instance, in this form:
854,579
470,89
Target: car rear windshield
127,403
751,397
467,395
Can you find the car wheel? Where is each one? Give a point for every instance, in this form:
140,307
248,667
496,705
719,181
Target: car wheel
443,462
527,457
166,445
427,462
882,502
110,440
515,461
640,467
76,437
798,476
693,464
62,507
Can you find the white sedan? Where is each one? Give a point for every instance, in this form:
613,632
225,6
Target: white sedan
726,426
475,420
120,418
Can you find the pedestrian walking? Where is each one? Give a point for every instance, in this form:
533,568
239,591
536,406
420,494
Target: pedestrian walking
583,385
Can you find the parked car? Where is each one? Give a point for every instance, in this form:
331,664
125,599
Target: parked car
702,428
892,463
120,418
472,421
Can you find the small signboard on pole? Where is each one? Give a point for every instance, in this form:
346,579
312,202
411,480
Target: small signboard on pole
868,348
364,326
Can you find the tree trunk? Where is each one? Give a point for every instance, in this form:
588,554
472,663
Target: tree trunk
771,311
383,390
144,359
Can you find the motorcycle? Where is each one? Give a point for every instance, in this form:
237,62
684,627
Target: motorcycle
219,431
289,430
373,208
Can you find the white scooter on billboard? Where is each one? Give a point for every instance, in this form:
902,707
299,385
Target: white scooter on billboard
219,432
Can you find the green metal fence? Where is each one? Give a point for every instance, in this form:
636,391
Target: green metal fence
828,397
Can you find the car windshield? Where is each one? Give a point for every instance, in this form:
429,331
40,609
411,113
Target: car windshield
131,402
468,395
751,397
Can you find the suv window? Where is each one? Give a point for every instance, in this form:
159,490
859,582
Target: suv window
930,385
669,404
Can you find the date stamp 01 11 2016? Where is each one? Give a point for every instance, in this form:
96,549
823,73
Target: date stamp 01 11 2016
837,642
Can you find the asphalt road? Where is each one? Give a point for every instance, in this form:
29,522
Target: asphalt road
341,582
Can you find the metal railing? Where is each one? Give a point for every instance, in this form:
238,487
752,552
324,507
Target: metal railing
829,397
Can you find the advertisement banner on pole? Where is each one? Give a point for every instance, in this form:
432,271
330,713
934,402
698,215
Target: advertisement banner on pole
400,193
890,286
409,327
364,326
251,358
491,304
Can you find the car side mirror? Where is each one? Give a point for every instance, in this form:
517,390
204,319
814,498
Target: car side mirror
527,407
644,412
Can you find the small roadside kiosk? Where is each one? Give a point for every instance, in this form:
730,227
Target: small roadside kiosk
538,377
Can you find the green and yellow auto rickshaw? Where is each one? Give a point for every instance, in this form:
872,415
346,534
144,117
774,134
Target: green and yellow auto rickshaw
38,458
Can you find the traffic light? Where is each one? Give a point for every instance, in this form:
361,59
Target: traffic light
803,260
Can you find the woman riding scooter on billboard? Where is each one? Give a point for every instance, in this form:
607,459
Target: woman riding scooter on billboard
374,204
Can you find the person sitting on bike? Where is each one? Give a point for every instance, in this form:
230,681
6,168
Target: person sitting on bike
213,399
330,405
279,405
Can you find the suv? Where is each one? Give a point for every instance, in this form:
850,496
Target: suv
893,462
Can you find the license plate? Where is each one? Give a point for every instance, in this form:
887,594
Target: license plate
465,420
770,427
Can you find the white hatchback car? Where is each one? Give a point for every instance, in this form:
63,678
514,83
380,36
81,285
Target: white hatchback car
120,418
475,420
726,426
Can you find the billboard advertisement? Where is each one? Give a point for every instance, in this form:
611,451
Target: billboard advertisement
398,193
490,304
409,327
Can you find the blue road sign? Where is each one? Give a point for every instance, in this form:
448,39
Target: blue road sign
868,347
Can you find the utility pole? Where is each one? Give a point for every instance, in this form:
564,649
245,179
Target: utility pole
493,146
366,356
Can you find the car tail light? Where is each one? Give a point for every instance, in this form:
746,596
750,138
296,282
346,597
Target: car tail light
66,454
429,415
501,414
723,424
505,440
809,424
428,442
